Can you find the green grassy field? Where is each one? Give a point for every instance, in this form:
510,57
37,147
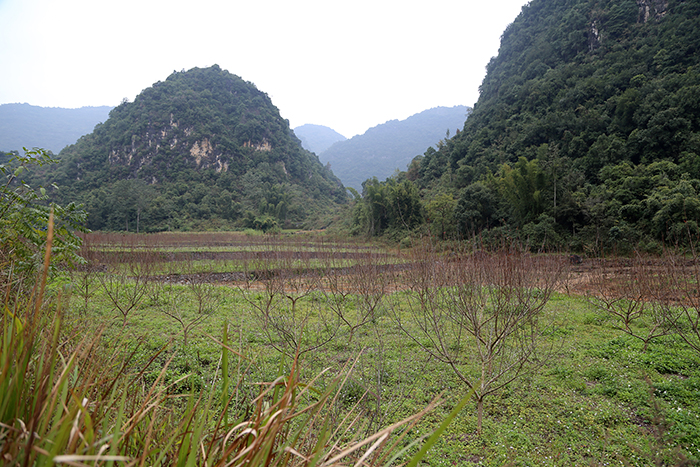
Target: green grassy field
586,393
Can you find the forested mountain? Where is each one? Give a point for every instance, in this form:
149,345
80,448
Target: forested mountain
586,133
202,149
390,146
317,138
52,128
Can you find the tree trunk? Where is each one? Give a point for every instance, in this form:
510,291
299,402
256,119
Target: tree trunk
479,415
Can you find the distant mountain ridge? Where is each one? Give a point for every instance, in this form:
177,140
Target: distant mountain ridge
392,145
52,128
317,138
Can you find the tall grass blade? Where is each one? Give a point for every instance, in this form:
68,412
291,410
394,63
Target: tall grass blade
441,429
224,375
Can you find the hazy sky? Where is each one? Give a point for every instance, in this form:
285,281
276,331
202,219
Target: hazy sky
348,65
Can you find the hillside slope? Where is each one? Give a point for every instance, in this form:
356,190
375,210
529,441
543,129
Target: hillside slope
52,128
390,146
587,129
203,148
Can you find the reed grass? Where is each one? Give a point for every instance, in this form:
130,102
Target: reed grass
66,400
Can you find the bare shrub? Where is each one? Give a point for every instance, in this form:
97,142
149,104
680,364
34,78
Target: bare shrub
278,280
84,277
333,280
354,282
127,278
637,295
683,272
367,281
480,314
183,293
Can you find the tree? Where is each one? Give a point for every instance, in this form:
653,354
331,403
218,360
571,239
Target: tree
481,315
640,303
24,214
522,187
476,209
440,213
127,281
406,211
277,282
143,195
392,205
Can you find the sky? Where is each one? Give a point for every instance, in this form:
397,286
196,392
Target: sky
348,65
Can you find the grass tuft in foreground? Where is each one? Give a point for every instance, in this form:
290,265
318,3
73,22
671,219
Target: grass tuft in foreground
63,400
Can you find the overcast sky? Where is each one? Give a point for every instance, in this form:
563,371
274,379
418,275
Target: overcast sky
348,65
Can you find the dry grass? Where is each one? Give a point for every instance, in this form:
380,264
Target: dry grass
64,400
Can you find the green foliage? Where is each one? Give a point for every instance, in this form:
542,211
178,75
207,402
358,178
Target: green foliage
521,187
24,215
440,213
589,115
392,206
542,235
197,150
476,208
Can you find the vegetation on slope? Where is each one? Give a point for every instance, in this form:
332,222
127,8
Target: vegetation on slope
203,148
586,134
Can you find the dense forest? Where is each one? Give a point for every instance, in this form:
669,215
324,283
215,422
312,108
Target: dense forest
202,149
383,149
586,136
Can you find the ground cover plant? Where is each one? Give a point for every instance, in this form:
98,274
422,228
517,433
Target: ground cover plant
73,397
573,381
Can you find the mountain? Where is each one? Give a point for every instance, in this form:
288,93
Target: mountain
317,138
586,134
52,128
390,146
202,149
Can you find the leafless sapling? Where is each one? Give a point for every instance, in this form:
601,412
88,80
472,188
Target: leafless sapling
127,278
635,294
194,289
277,282
481,315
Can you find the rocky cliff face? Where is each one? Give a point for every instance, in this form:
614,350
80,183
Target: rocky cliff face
655,9
144,149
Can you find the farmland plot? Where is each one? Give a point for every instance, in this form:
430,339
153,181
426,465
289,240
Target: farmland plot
558,374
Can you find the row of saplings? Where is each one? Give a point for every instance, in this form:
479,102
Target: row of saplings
477,307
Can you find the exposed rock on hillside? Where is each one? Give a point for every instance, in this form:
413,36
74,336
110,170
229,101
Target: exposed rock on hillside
210,148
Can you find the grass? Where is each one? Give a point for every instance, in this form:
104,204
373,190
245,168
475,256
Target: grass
600,399
79,389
